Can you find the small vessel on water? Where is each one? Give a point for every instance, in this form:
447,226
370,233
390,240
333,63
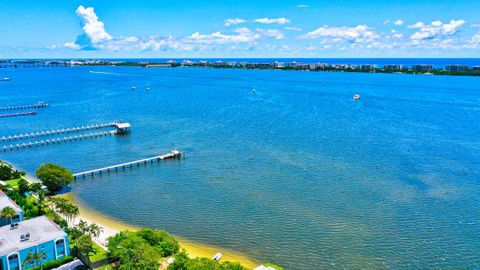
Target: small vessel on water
217,257
5,79
356,97
133,87
148,88
253,90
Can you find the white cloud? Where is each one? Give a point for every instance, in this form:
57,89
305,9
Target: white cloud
398,22
397,36
476,39
476,25
358,34
417,25
277,34
293,28
301,6
234,21
436,29
243,35
95,37
270,21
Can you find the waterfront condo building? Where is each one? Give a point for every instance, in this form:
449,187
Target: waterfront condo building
5,201
36,235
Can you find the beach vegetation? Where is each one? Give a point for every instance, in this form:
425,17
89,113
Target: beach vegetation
7,172
183,262
54,177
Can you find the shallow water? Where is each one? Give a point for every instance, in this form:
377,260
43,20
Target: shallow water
296,173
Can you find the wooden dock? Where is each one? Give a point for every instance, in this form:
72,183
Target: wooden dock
18,114
174,154
21,107
57,131
58,140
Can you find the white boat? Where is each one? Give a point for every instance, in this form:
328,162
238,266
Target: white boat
217,257
133,87
5,79
253,90
356,97
148,88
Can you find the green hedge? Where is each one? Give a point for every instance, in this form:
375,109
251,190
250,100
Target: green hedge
55,263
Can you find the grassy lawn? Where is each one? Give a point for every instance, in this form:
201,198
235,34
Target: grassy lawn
13,182
99,255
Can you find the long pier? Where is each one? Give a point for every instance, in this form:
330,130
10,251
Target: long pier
57,131
18,114
174,154
57,140
21,107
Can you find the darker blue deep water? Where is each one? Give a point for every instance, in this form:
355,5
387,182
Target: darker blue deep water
297,173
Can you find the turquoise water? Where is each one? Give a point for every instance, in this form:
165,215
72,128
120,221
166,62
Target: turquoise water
296,173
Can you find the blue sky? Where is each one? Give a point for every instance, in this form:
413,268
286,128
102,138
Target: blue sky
247,28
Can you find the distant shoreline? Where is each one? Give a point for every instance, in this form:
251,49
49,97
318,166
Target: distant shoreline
393,68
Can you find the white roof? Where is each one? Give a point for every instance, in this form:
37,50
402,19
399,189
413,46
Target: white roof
41,230
6,201
123,125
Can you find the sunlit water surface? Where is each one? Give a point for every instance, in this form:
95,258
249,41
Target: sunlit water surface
296,173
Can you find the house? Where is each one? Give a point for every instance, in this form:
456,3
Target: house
38,234
6,201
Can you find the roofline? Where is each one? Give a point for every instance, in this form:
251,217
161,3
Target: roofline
12,201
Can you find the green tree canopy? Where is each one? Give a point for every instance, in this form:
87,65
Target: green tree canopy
133,252
54,177
7,172
183,262
166,243
8,213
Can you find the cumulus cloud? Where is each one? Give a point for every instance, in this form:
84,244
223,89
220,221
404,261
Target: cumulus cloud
93,28
301,6
274,33
436,29
271,21
242,35
234,21
358,34
476,25
293,28
398,22
417,25
95,37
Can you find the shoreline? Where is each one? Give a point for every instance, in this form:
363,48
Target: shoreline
112,226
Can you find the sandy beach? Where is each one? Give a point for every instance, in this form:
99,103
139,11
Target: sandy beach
112,227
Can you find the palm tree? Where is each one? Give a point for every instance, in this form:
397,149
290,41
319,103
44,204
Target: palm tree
8,213
38,257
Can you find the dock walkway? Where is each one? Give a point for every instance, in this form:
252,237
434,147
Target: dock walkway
174,154
21,107
54,132
57,140
17,114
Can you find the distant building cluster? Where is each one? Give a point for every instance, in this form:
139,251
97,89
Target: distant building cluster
387,68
